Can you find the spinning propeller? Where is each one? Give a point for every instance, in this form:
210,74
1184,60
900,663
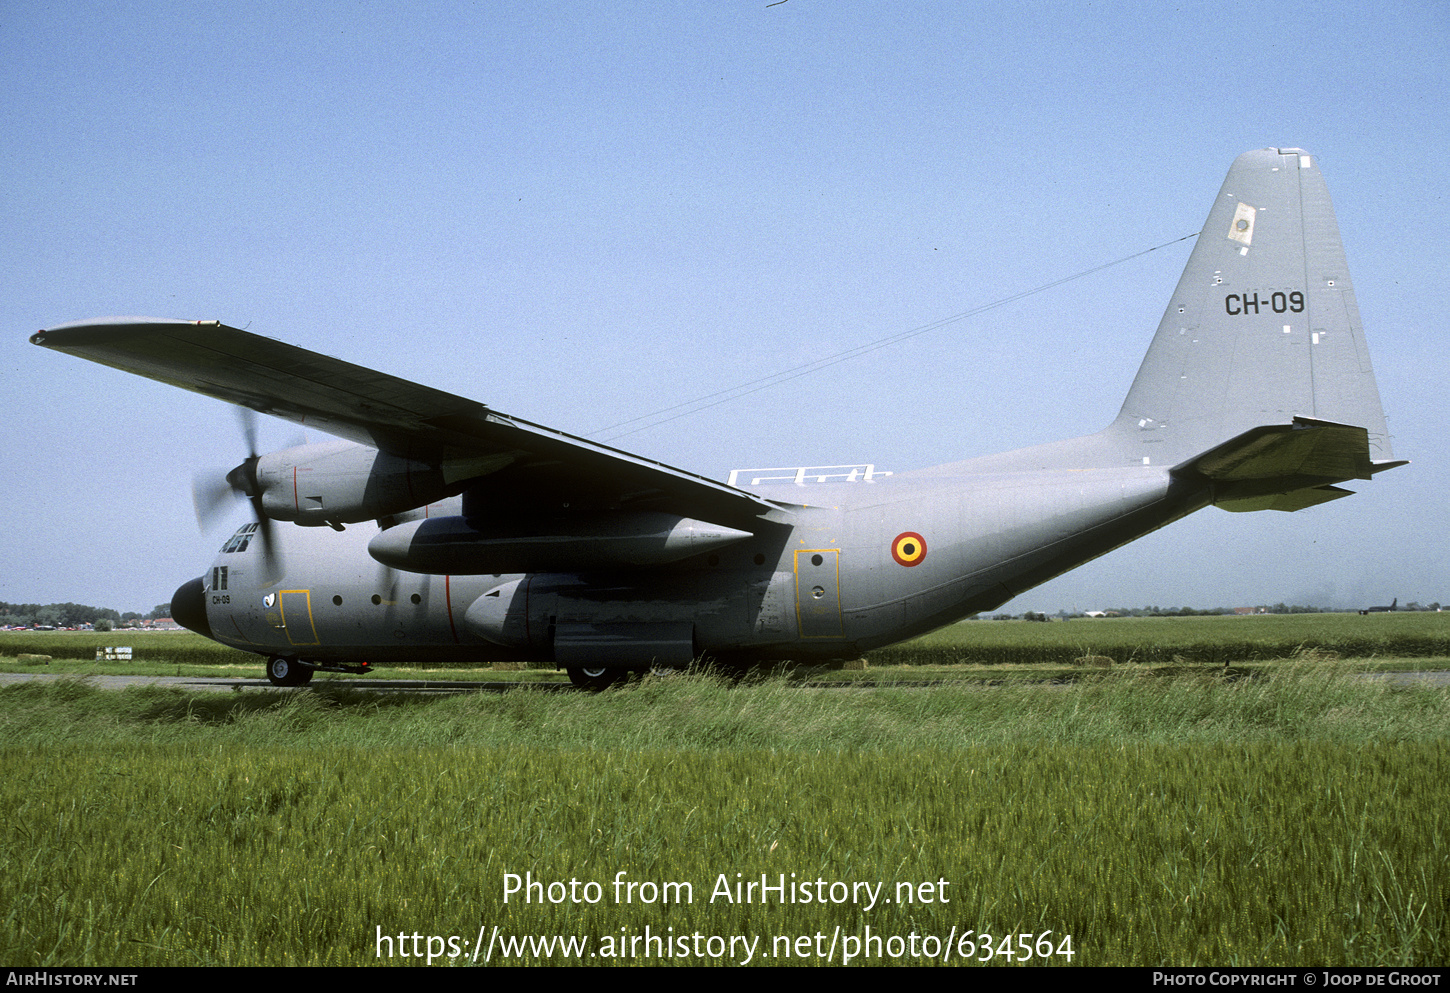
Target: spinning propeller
212,495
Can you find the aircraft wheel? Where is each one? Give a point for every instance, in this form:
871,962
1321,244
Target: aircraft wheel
592,677
283,671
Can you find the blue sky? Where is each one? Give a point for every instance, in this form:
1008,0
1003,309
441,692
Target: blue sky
581,213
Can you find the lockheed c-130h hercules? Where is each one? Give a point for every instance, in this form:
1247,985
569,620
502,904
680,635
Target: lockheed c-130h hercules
478,536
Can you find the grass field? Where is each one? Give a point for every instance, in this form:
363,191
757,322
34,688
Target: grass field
1155,815
1212,640
1209,641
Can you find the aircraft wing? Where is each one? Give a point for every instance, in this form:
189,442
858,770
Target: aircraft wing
519,461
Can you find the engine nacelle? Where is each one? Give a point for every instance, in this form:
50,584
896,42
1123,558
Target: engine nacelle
463,546
342,482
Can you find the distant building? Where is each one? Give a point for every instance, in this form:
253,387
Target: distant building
161,624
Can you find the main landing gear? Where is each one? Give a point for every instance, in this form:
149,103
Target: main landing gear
598,677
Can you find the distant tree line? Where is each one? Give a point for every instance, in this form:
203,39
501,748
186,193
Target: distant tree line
1156,611
72,615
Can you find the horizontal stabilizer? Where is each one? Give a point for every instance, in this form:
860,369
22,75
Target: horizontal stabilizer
1284,466
1305,448
1294,500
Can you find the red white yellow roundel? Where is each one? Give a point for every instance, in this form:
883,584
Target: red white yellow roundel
908,549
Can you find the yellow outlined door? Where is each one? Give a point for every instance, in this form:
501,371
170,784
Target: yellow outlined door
818,592
297,617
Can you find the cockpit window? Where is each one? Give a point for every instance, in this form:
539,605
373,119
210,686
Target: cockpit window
238,542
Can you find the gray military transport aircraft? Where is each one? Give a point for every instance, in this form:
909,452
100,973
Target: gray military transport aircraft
480,536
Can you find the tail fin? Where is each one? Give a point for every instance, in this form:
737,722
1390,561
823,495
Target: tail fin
1263,328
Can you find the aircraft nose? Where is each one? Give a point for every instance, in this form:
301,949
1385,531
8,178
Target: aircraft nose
188,606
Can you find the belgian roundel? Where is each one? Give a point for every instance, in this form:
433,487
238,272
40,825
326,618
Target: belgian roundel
908,549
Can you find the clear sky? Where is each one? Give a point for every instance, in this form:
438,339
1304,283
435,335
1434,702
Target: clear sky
579,213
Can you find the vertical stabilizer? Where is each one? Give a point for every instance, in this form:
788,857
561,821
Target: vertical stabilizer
1263,327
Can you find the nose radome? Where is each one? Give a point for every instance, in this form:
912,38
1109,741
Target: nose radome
188,606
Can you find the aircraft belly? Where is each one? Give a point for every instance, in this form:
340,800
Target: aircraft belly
738,610
625,643
603,619
712,613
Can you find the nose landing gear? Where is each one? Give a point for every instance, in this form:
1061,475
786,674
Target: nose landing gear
284,671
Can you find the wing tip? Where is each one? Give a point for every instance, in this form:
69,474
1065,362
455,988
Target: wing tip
96,327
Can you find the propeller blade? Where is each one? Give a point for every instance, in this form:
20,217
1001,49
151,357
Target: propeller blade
247,417
211,497
272,568
211,493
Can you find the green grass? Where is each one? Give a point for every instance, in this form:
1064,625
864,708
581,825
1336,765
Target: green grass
1212,640
1059,646
167,647
1290,819
1296,700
